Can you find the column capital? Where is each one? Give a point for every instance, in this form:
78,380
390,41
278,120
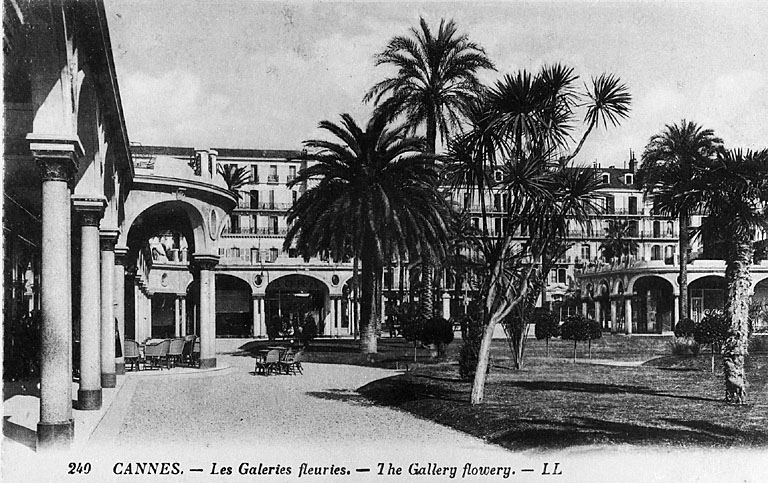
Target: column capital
90,208
57,157
120,253
205,261
108,239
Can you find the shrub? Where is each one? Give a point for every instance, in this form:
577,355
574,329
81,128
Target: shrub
578,328
546,326
681,346
436,331
685,328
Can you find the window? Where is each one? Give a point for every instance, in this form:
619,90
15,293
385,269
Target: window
497,226
670,228
475,222
656,252
632,205
293,253
254,173
606,178
295,196
291,173
610,204
497,175
235,253
272,178
561,275
633,229
273,252
504,226
656,229
272,199
273,225
466,201
255,255
629,179
234,223
497,202
669,254
254,199
254,223
586,252
505,201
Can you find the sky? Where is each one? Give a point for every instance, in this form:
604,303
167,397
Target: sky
252,74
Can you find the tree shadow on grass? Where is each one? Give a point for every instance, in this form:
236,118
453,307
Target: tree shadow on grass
717,430
598,388
396,391
549,434
342,395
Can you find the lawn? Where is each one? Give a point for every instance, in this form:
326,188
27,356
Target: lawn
552,403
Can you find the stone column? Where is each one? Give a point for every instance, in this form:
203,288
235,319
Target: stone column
628,314
119,304
676,313
183,303
205,264
176,317
89,392
598,312
108,326
256,317
138,310
331,321
613,315
55,430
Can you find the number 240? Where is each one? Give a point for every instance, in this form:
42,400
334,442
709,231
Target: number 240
79,468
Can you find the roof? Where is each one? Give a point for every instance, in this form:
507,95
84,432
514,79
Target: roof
222,152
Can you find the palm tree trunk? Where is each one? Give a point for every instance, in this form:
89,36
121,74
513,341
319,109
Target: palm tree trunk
739,282
684,241
427,286
370,303
483,360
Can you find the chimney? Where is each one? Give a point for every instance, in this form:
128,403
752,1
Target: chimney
632,162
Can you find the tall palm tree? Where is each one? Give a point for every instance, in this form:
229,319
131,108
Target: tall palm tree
734,189
435,85
666,174
374,192
617,241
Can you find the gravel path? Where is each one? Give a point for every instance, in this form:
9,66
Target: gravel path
318,409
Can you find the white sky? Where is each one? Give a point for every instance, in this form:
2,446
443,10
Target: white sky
249,74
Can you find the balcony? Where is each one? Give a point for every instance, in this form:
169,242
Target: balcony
273,179
258,231
290,178
265,206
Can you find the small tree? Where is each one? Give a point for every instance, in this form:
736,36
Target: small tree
438,332
408,316
713,330
547,326
472,336
578,328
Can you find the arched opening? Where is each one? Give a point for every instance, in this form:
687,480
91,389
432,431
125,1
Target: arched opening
160,241
605,305
234,308
760,307
706,293
652,305
291,300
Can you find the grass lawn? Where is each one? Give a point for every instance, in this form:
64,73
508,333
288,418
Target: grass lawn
555,403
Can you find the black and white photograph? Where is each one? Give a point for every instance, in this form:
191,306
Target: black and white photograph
385,241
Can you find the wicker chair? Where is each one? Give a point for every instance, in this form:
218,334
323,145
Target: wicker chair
175,351
186,352
291,362
132,355
269,363
156,353
196,353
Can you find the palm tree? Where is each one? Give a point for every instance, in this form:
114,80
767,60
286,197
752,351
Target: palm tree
235,177
734,190
617,241
522,128
374,193
666,174
435,86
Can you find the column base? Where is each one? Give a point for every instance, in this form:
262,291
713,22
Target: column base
108,381
55,436
120,368
208,363
89,399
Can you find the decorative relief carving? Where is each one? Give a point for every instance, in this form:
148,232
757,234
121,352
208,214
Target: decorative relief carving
56,169
90,218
